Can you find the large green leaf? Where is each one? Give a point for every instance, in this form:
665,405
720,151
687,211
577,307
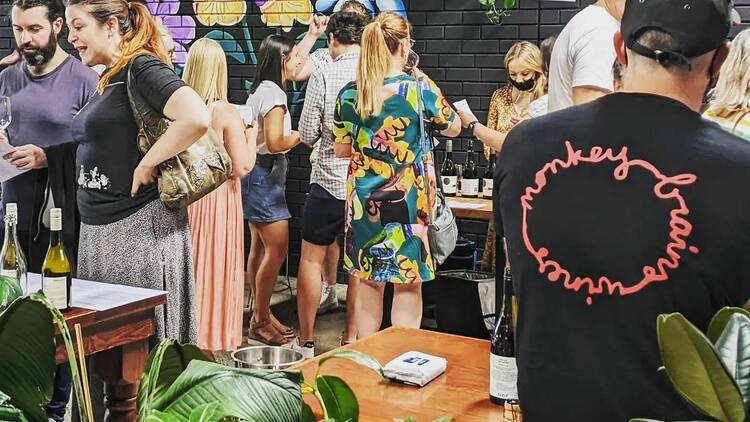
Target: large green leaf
357,357
157,416
733,347
10,290
306,415
696,370
206,412
254,395
720,321
337,399
165,363
27,356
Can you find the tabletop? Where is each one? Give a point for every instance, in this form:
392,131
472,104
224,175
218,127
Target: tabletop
471,208
462,392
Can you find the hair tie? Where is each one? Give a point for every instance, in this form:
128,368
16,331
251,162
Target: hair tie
130,5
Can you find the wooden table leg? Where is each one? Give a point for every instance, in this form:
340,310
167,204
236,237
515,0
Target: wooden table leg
121,370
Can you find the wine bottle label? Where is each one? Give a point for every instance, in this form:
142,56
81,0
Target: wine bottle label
487,188
9,273
469,187
503,377
449,184
56,290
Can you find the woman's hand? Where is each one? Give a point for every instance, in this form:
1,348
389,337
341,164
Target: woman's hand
143,175
515,119
466,118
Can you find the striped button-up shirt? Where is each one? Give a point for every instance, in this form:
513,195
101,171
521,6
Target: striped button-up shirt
316,122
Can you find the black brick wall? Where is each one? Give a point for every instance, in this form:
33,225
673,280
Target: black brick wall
459,49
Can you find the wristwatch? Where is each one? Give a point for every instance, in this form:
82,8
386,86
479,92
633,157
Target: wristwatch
472,125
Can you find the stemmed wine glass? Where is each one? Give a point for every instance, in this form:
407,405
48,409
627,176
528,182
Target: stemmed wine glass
4,112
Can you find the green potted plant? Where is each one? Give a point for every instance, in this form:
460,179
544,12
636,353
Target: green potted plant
711,371
493,14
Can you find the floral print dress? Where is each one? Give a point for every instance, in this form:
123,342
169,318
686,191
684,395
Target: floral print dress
387,206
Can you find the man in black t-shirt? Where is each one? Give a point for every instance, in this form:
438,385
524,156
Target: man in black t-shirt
620,210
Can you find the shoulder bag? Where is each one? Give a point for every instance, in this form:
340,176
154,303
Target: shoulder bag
191,174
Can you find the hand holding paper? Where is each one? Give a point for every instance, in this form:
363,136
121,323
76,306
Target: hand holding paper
467,116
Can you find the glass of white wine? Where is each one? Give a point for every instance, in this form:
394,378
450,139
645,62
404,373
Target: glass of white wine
4,112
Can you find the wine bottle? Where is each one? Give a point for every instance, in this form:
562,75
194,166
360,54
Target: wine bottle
13,263
470,181
503,369
488,179
56,276
448,171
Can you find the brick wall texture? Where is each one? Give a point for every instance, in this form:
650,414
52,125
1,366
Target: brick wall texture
459,49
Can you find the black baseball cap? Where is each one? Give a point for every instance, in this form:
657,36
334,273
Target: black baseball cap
695,26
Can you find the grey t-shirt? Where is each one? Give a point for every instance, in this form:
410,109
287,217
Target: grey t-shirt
42,109
267,96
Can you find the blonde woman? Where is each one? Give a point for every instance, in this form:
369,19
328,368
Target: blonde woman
216,219
527,82
388,208
509,105
730,107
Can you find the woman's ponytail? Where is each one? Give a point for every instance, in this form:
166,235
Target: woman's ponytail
380,40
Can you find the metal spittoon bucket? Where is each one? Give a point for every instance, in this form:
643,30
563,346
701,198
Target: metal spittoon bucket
271,358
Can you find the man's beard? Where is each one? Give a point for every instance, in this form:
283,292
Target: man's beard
38,57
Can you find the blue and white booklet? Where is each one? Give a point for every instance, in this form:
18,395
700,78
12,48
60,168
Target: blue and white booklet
415,368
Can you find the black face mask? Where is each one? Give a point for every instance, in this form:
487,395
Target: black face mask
526,85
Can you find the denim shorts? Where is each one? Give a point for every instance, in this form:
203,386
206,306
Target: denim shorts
263,190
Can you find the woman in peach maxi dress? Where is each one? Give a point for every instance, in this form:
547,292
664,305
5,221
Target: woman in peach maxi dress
216,220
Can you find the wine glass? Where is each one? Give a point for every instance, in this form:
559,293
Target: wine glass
412,61
4,112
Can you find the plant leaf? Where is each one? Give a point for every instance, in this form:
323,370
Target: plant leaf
733,347
720,321
11,414
356,357
306,415
165,363
205,412
509,4
248,394
10,290
27,356
230,46
157,416
696,370
444,419
338,399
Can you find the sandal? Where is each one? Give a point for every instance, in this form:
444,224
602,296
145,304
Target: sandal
266,333
285,331
343,342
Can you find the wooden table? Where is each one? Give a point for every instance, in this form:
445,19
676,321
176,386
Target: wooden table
118,340
462,392
484,213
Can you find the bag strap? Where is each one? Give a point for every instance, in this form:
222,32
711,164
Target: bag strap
428,146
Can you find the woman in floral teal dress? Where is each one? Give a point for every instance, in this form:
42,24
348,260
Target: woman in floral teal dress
390,189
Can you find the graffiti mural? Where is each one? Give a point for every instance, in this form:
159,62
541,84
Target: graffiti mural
231,24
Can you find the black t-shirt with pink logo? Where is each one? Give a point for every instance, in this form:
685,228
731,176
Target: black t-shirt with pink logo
615,212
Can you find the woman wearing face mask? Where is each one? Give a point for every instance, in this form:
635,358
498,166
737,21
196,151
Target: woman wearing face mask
263,190
509,104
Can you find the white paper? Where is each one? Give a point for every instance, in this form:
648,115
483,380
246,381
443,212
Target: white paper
464,106
99,296
7,170
465,205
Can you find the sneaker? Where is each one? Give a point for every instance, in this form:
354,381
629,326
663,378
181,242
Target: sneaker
328,299
307,350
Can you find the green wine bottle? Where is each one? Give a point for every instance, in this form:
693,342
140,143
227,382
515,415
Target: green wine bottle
56,276
13,262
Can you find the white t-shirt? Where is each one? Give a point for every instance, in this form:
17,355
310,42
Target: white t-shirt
267,96
583,56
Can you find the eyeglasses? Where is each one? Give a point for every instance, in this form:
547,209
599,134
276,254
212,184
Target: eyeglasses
410,41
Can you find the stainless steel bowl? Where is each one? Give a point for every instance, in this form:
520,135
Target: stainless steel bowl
266,357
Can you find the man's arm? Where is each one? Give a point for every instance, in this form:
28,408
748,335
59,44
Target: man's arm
584,94
311,119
